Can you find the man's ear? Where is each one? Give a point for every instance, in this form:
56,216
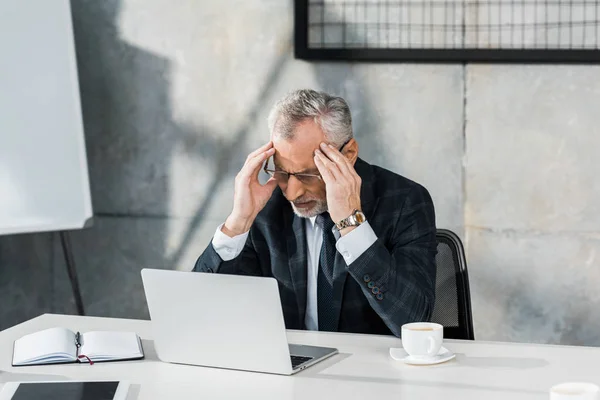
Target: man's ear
350,151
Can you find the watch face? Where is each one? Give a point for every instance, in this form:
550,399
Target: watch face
360,217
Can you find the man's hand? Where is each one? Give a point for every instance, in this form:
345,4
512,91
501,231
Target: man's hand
249,195
341,181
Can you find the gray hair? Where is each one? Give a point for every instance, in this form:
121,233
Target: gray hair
331,113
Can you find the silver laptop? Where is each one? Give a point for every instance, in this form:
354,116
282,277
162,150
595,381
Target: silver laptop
224,321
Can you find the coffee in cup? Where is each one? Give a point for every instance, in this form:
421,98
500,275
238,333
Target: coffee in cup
575,391
422,339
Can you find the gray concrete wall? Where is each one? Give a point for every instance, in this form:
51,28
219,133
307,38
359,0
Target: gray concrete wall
176,94
532,213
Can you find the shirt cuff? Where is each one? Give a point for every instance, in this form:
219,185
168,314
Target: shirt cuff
356,242
227,247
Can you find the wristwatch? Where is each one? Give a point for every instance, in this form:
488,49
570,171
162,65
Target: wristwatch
355,219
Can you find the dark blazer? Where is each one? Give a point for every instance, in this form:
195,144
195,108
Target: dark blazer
390,284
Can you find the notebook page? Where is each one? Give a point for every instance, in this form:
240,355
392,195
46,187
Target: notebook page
110,345
54,345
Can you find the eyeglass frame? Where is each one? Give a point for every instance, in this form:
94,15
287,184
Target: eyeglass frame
296,174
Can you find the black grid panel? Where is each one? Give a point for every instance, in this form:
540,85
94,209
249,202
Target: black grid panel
451,30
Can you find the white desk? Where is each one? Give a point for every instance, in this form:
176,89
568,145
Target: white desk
362,370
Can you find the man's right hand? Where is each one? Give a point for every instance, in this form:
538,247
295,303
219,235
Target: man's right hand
250,196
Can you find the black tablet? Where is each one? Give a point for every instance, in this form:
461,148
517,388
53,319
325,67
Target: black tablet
72,390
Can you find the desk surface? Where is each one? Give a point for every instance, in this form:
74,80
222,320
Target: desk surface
362,370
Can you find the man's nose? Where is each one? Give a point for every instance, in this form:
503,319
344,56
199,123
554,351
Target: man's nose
293,189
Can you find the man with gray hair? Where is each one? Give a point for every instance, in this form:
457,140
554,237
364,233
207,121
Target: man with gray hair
352,245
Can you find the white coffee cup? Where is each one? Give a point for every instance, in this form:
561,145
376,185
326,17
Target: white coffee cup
422,339
575,391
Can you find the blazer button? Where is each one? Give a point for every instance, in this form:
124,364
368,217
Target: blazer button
367,278
375,290
371,284
379,296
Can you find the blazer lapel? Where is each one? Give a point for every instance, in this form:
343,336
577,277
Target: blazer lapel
368,205
368,199
297,259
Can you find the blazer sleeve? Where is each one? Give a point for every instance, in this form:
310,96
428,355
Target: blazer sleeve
246,263
399,280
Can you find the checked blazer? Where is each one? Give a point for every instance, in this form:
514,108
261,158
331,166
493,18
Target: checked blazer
390,284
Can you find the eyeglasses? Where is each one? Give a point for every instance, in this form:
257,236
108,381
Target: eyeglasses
283,176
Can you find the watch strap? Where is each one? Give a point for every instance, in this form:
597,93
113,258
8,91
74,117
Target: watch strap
351,220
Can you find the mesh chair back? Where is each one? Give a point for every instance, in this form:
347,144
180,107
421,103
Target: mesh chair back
452,307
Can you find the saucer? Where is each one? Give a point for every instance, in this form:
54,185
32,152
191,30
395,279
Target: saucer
399,354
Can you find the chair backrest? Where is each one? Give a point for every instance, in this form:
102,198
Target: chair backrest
452,307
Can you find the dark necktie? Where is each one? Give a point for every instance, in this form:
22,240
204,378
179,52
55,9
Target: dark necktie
325,275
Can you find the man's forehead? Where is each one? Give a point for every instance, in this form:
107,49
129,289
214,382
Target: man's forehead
305,134
294,158
297,153
294,163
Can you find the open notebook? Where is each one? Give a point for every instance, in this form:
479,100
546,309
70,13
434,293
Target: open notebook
60,345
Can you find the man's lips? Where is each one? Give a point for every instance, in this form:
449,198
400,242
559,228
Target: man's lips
305,204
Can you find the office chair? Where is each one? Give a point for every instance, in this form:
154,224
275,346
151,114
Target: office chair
452,307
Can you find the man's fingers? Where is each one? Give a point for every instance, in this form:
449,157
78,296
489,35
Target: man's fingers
253,165
261,149
332,166
265,191
324,169
332,153
271,184
325,174
335,156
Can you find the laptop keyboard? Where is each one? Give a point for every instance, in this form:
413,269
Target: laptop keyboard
297,360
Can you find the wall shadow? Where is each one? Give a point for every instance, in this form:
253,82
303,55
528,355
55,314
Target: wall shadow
131,139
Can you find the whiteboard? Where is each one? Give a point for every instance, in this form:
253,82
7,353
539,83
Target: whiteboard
44,183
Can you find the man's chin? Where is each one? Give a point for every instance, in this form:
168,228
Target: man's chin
309,212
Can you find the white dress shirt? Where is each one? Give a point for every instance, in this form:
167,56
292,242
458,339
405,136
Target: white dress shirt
351,246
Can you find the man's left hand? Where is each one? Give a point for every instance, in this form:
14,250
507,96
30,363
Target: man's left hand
341,181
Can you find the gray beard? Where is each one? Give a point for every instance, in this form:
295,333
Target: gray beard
320,207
